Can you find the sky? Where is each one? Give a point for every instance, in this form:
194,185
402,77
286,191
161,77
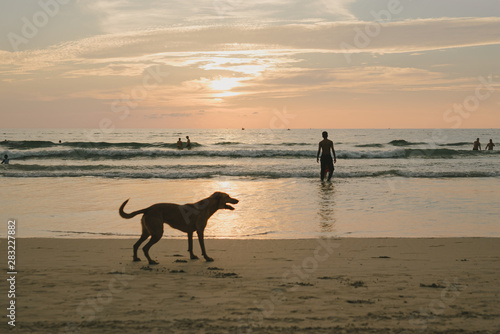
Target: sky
254,64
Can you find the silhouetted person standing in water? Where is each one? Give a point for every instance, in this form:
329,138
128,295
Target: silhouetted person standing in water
489,146
179,144
477,145
326,158
188,144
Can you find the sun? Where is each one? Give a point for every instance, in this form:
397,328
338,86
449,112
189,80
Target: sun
224,83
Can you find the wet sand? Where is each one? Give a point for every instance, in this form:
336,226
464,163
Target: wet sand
346,285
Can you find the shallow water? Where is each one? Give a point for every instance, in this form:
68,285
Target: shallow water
278,208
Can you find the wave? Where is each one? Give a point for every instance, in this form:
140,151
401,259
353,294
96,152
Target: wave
124,153
228,143
36,144
457,144
120,154
370,145
25,144
440,153
207,172
401,142
294,144
287,144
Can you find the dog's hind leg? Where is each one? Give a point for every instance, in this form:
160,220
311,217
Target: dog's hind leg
190,246
155,237
145,234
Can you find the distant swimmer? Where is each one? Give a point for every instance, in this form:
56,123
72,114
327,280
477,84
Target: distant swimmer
188,144
477,145
326,158
489,146
5,161
179,144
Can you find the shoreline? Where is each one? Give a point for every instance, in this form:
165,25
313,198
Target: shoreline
135,238
349,285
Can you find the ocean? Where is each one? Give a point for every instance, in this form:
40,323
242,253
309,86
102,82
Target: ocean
387,183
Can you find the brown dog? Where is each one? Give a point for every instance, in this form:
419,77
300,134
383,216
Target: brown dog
187,218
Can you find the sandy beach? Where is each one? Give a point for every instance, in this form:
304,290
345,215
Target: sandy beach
258,286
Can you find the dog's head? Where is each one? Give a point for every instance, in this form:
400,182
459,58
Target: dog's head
223,199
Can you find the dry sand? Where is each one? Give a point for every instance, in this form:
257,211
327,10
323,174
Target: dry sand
258,286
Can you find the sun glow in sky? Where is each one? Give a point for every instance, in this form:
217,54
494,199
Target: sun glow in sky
224,83
232,64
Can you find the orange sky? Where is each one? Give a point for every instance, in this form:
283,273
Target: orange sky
260,64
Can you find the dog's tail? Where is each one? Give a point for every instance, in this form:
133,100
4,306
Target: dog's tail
125,215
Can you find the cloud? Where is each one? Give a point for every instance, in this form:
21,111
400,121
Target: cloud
338,8
164,115
393,37
130,15
224,66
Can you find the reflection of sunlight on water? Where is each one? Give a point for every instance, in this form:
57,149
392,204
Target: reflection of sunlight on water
326,209
225,186
265,209
226,223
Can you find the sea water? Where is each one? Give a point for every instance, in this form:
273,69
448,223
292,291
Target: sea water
387,183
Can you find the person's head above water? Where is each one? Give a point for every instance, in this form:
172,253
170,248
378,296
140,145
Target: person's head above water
325,134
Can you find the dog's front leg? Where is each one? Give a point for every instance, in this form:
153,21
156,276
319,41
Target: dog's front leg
202,246
190,246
